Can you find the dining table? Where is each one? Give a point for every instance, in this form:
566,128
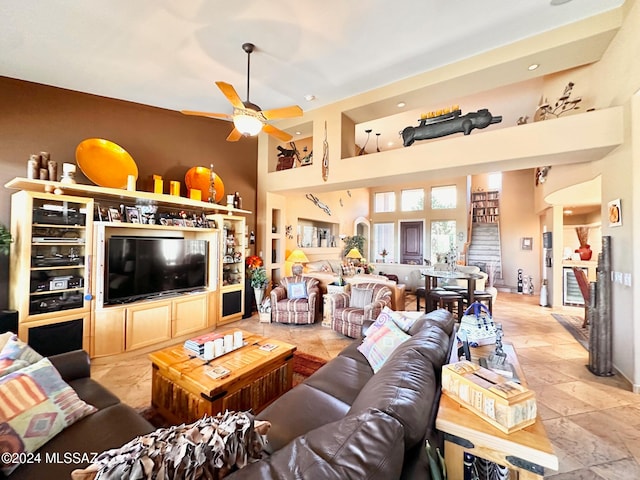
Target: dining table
431,277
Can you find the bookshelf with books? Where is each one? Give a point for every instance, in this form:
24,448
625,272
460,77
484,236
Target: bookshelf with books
485,207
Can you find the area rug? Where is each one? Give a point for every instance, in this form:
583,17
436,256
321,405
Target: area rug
573,324
304,365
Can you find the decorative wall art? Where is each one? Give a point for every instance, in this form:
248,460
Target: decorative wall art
615,213
563,105
526,243
325,155
318,203
447,122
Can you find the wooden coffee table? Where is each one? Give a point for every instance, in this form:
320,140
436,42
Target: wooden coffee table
526,453
182,391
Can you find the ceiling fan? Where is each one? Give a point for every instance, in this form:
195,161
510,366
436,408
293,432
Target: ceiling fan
248,118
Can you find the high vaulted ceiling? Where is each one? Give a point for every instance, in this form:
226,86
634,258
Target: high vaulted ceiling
169,53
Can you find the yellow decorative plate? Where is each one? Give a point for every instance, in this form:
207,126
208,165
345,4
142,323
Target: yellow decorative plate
198,178
105,163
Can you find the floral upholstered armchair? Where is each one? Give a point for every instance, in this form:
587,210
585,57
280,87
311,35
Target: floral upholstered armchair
296,300
364,303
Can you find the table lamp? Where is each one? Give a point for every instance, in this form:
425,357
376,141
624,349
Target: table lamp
298,258
354,254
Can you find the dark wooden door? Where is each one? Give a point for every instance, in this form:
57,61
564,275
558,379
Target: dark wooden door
411,245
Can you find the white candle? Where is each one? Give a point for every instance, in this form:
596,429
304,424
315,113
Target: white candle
228,343
218,347
208,351
237,339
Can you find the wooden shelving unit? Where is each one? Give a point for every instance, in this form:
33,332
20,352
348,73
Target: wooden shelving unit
485,207
58,271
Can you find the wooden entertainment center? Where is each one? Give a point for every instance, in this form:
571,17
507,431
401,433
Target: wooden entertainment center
57,264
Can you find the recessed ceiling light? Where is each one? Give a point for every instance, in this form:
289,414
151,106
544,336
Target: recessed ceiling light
298,133
559,2
309,97
401,105
533,66
389,144
568,212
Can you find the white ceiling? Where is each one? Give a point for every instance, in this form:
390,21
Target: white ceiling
168,53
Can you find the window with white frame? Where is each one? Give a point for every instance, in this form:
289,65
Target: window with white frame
411,200
444,197
443,238
384,202
383,242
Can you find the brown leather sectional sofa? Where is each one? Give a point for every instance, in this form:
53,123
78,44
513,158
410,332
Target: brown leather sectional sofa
342,422
345,422
113,425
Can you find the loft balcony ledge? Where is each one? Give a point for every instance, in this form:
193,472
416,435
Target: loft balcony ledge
577,138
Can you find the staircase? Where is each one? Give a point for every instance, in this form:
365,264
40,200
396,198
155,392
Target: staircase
485,247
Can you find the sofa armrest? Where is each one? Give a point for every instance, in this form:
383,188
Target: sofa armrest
373,309
278,294
339,300
72,365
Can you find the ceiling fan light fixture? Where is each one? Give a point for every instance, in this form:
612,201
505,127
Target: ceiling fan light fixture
248,125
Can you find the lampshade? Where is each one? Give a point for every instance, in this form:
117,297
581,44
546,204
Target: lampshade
247,124
354,253
297,256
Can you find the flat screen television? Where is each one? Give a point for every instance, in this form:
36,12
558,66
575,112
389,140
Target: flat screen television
145,267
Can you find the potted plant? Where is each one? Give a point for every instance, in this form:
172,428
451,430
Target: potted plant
5,239
259,283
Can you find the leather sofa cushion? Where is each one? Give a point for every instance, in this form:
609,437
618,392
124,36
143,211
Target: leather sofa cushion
343,378
299,411
93,393
405,388
105,429
441,318
365,446
432,343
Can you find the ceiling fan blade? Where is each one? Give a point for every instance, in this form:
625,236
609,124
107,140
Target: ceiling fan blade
222,116
279,134
284,112
234,136
231,94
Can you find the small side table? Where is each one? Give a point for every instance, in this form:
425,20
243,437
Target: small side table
332,289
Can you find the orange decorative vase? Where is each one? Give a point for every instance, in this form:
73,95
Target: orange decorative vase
585,252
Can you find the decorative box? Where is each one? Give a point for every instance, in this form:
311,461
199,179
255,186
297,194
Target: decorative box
504,403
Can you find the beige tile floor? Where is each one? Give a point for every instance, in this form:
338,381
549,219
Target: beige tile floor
593,422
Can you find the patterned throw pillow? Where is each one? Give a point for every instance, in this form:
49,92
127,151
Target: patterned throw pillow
348,270
211,447
35,405
403,319
297,290
378,345
360,297
16,355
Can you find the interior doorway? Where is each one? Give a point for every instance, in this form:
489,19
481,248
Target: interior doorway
412,242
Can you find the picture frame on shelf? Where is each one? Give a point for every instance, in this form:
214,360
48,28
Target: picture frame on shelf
132,214
114,215
102,213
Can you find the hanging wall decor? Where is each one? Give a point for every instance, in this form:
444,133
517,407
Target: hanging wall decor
325,156
318,203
